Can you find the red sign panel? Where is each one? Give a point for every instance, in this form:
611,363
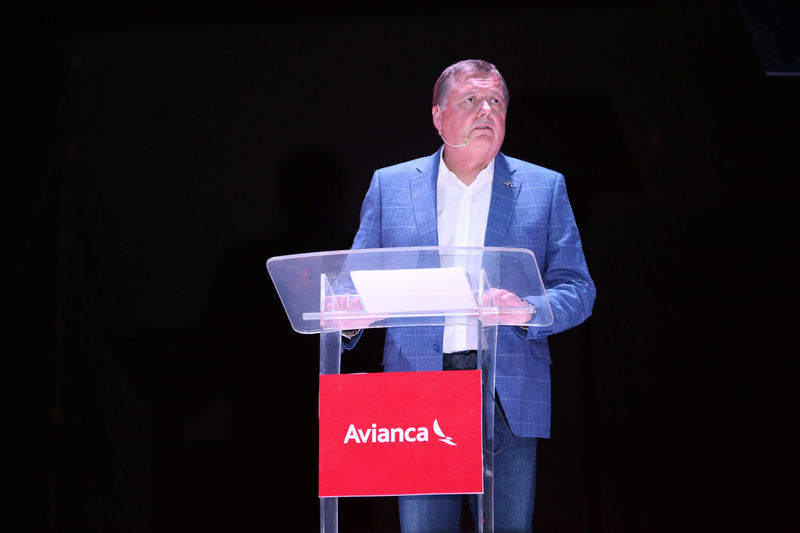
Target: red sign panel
400,433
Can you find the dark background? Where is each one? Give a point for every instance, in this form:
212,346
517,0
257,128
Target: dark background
153,157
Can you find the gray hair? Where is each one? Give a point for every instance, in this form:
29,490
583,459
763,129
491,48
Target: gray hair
467,67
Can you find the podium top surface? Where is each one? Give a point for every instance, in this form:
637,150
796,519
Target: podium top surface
388,287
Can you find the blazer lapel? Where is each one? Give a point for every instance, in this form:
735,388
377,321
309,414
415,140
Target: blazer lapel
423,198
505,188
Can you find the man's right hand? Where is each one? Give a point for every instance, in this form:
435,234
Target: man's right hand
351,306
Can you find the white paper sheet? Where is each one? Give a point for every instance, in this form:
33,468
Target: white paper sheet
413,290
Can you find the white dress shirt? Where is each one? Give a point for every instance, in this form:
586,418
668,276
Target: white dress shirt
462,212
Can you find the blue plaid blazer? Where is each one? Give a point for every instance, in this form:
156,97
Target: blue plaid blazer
400,210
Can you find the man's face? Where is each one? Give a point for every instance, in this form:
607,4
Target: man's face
475,111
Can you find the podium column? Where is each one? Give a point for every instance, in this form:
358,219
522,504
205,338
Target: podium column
330,358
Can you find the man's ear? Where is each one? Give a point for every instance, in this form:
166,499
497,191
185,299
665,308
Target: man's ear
436,113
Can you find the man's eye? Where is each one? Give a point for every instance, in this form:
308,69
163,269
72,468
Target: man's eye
470,99
496,101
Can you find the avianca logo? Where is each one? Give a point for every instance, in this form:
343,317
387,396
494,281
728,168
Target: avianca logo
442,436
388,435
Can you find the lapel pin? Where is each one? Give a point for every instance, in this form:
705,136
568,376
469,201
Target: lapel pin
508,184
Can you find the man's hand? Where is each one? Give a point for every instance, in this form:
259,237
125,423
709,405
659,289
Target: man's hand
349,305
511,309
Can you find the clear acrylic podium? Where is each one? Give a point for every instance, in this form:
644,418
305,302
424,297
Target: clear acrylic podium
326,293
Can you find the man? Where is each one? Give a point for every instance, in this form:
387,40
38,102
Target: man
469,194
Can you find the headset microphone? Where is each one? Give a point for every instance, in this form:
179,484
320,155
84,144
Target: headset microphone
466,142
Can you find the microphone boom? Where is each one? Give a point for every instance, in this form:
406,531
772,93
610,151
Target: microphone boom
466,141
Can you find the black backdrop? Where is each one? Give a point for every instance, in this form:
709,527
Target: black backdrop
154,158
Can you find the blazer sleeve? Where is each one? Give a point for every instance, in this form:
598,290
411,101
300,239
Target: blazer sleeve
368,234
369,229
565,274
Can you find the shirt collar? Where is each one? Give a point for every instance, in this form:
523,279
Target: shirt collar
483,178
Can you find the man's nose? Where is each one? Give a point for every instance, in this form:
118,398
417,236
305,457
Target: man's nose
485,108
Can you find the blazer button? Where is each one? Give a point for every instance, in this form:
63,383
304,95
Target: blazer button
436,347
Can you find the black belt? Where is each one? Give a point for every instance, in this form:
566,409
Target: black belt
466,360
